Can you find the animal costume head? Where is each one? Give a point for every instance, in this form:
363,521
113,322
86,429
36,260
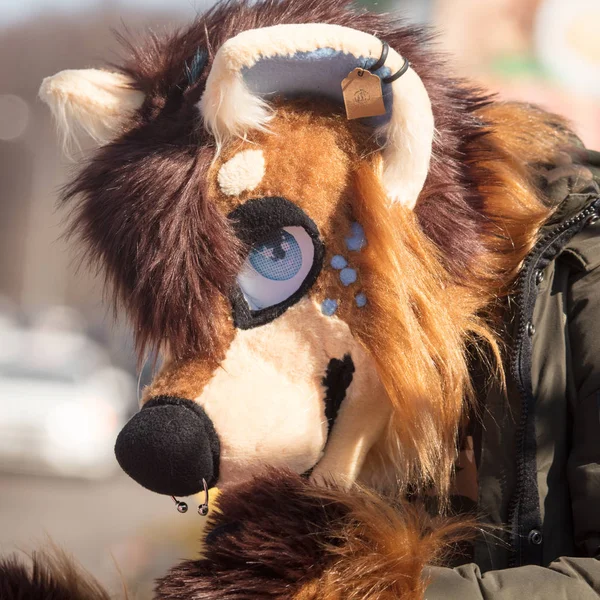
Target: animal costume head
314,283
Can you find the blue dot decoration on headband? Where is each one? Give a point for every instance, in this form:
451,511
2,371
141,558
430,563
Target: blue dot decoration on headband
356,241
338,262
360,299
329,307
348,276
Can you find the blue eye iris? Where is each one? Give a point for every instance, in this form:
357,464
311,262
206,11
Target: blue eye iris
277,258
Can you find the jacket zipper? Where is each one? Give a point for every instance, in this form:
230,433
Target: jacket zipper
524,289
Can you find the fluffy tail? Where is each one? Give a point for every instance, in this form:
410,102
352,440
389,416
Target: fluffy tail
48,575
280,537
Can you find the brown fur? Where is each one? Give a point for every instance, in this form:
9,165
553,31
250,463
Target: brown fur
422,364
166,251
170,255
276,537
183,379
381,550
281,537
310,156
310,153
434,315
149,212
521,139
51,575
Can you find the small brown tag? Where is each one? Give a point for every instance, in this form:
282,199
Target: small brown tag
362,94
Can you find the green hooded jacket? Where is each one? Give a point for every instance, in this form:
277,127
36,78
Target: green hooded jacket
537,448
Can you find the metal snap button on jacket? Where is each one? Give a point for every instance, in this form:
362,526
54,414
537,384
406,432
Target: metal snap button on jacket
539,277
535,537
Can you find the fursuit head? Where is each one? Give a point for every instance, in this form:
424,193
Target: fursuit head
316,285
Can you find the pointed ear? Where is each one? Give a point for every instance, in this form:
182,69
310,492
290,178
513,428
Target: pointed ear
90,102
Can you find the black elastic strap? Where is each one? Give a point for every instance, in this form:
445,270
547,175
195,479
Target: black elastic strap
385,48
398,73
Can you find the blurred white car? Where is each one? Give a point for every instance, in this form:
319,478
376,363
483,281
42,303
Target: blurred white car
62,404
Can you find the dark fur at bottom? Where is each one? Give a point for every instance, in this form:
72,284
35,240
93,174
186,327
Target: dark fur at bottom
278,536
268,539
282,537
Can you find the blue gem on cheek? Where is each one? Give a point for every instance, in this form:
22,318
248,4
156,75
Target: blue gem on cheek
328,307
360,300
338,262
348,276
356,240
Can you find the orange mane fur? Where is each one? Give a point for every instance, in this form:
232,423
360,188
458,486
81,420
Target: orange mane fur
421,319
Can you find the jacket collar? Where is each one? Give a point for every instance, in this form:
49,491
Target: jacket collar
570,183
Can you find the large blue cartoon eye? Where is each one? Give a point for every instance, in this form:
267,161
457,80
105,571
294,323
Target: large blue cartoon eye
277,258
276,267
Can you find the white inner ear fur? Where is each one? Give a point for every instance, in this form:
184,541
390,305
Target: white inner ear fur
409,138
90,102
242,173
267,399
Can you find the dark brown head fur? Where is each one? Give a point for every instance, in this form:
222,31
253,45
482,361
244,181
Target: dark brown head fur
141,207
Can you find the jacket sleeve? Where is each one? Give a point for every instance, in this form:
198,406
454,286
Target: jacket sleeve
564,579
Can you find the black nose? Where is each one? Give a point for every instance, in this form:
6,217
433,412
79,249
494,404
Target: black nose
169,447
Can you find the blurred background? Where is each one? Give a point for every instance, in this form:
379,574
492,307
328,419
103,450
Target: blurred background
68,380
